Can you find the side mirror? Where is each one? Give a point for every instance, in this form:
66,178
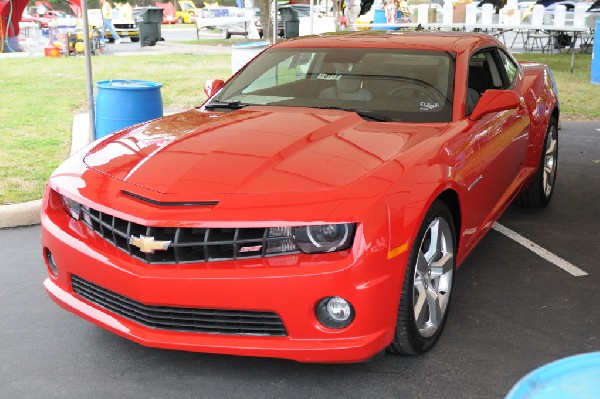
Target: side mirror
212,86
495,101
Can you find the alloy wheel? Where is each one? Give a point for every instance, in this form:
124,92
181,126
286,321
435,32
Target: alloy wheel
433,277
550,157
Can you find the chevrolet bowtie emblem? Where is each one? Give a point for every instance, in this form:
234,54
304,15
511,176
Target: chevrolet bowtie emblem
148,245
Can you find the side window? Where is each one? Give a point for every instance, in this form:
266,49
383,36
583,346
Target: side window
484,74
509,66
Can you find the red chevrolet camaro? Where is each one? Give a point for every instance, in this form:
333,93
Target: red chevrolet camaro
315,208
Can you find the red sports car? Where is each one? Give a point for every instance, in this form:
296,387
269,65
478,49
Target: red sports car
315,208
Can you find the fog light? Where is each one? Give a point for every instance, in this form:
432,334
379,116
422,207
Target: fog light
334,312
50,262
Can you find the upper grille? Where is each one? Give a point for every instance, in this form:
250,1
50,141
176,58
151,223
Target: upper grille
211,321
191,245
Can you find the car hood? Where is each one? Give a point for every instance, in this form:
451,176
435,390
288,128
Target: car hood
253,150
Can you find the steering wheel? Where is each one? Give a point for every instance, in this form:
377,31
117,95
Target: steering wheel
419,90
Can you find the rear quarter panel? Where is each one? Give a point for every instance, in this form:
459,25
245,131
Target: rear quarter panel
541,97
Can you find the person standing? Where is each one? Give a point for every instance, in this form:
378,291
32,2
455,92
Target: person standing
107,21
352,12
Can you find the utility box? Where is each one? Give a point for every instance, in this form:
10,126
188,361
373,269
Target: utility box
291,22
148,20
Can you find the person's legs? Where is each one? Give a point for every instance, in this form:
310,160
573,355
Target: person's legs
111,28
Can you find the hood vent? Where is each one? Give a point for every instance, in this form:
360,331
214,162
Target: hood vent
170,203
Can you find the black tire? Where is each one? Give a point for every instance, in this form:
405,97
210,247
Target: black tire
134,39
412,336
225,34
539,192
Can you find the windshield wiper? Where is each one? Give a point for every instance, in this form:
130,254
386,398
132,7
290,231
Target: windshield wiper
226,104
364,113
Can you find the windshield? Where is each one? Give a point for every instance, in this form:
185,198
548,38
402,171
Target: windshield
400,85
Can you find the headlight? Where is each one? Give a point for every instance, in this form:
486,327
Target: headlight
73,208
324,238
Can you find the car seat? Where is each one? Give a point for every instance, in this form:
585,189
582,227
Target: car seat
348,86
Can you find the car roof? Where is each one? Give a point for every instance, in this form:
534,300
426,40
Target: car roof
417,40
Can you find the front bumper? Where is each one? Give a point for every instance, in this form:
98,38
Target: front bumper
290,286
124,33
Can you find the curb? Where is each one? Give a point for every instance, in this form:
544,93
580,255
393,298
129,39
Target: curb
24,214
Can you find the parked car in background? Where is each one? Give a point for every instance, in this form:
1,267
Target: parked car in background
169,14
125,27
298,10
41,22
188,12
50,14
253,14
314,208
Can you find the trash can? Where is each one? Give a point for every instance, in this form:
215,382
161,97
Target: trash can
148,21
291,22
122,103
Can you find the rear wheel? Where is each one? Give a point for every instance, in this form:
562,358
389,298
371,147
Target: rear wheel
425,298
539,192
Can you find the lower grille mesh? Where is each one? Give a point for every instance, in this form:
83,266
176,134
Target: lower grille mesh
211,321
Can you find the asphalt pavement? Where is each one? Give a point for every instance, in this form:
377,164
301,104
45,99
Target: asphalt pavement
512,311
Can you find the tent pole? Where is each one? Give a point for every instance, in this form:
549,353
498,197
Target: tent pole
88,71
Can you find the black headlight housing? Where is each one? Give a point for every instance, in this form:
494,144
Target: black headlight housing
324,237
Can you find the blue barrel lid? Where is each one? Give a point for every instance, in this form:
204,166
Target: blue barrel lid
251,45
574,377
122,84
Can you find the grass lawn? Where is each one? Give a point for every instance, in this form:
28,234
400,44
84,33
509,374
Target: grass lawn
38,97
578,96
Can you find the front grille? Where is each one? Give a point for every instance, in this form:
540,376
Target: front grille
210,321
191,245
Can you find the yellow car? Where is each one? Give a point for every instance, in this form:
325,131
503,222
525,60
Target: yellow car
125,27
189,12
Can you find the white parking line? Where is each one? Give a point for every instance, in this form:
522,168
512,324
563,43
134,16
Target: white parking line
549,256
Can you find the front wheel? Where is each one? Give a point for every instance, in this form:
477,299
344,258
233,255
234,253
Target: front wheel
539,192
425,297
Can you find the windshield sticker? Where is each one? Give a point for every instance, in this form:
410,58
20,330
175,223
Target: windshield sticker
429,106
327,76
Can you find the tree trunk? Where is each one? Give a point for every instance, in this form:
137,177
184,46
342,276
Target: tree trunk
265,18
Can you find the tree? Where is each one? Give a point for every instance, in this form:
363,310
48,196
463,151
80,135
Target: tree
265,17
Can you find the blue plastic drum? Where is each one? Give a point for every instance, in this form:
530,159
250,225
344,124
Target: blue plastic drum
122,103
575,377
